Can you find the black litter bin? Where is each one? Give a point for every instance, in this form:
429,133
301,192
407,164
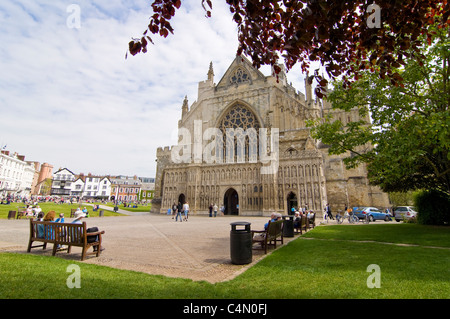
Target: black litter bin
288,226
116,209
241,243
100,214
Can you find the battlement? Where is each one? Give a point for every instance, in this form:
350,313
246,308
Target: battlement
161,152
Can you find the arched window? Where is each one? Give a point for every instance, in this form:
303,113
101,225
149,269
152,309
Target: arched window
240,129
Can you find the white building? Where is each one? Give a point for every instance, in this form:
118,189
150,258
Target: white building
62,182
97,187
77,187
16,175
104,188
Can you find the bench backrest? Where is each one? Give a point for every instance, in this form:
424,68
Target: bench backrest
42,230
63,233
303,222
275,229
68,233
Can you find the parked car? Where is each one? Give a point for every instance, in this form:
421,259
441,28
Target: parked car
404,212
373,213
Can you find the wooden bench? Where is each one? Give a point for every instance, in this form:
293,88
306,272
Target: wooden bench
301,225
269,236
311,222
11,214
66,234
21,213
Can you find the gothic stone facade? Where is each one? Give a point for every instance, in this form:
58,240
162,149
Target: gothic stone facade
304,174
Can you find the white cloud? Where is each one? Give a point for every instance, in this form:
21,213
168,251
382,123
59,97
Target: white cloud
69,97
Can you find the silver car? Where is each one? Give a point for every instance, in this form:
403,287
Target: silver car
404,212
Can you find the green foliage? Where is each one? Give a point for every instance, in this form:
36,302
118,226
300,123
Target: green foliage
433,207
406,143
346,37
401,198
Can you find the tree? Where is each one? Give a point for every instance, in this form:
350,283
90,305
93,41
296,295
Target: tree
410,124
346,37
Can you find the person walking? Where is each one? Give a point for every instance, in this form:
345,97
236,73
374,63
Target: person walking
210,210
328,211
179,208
174,210
186,211
215,209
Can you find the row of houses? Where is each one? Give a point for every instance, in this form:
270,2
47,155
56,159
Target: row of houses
115,188
21,179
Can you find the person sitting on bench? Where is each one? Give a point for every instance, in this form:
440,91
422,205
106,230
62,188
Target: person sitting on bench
90,239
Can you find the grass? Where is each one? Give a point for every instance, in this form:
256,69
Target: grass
58,208
404,233
327,262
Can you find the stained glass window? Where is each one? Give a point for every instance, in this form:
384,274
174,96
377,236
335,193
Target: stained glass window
241,117
239,76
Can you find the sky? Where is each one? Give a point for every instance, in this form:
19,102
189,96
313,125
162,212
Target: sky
70,98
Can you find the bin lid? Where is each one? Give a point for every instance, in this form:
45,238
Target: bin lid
240,223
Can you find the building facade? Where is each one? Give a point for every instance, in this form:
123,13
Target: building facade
244,145
125,188
62,183
17,176
67,184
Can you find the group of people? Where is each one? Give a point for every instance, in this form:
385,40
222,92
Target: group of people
36,212
213,208
273,218
178,210
299,214
31,211
49,217
78,216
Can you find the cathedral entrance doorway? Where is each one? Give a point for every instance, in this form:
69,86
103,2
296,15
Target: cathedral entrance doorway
231,202
182,199
291,203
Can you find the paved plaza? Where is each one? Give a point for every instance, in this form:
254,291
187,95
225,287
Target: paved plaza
198,249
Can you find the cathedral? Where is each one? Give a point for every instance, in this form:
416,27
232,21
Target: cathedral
244,146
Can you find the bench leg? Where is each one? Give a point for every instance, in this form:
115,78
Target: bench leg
29,245
55,246
83,253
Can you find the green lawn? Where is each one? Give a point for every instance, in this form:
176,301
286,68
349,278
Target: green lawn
58,208
403,233
327,262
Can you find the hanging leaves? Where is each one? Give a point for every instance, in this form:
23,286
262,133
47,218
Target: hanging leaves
335,33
